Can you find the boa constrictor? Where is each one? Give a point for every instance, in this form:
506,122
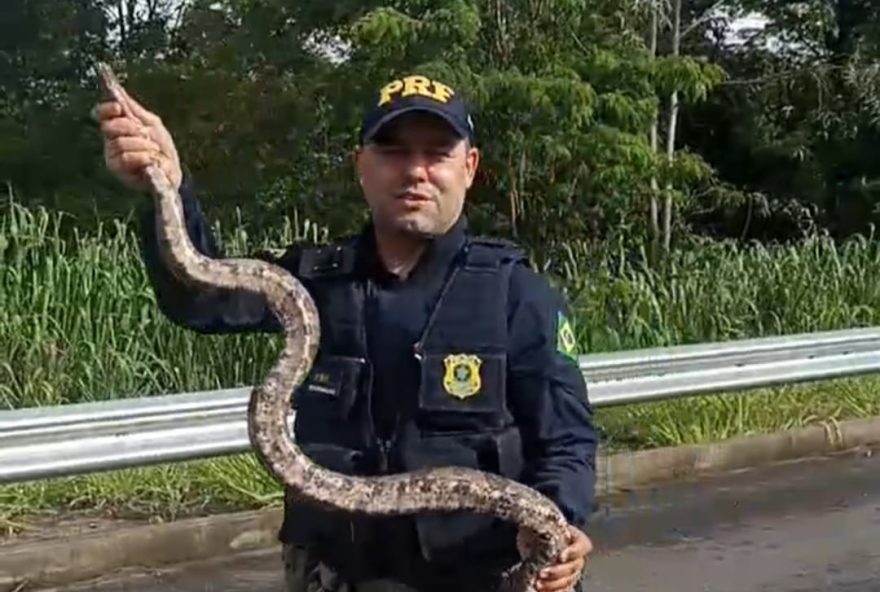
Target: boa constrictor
440,489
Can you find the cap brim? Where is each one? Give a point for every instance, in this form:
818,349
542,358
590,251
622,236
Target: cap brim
456,125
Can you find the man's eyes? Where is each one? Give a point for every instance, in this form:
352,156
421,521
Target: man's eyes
439,151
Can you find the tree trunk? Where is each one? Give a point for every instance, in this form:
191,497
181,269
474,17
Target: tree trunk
672,130
123,29
655,189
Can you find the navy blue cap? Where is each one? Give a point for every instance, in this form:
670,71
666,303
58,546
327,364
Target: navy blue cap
417,93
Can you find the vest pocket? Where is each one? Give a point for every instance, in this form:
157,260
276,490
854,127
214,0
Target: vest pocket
330,389
462,384
463,421
324,404
442,533
455,537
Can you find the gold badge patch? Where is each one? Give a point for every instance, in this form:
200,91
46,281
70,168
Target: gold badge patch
462,377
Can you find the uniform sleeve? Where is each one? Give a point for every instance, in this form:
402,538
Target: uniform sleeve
548,397
205,310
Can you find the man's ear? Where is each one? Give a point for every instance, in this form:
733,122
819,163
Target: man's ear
472,163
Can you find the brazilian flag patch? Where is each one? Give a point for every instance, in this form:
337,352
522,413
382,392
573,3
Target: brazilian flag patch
565,340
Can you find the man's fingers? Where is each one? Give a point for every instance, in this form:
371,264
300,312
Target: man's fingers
580,545
559,581
562,570
132,162
570,565
123,126
107,110
580,548
557,585
131,144
126,106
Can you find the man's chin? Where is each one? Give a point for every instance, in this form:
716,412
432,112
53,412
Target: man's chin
415,225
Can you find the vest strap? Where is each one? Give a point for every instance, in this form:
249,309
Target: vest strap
489,254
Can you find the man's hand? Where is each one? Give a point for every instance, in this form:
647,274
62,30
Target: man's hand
570,565
132,142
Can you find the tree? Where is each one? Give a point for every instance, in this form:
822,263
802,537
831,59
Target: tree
265,99
797,123
677,77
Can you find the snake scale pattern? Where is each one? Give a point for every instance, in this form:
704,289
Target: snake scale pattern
436,490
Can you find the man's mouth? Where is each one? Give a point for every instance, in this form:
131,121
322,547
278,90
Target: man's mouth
413,196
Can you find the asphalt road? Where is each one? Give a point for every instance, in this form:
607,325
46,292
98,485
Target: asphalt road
801,527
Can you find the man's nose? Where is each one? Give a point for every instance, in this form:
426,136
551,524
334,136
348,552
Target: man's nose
417,164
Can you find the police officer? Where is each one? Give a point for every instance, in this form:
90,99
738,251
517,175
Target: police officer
437,348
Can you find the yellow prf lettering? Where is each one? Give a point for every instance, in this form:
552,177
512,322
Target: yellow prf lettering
389,90
442,92
412,85
416,84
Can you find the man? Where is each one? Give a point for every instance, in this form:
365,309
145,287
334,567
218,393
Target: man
437,348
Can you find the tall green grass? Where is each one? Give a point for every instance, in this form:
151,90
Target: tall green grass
79,322
716,291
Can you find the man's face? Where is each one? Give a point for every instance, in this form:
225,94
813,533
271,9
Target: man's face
415,175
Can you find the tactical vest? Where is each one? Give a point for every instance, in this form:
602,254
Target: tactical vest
461,419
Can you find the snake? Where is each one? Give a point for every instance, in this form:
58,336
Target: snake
439,489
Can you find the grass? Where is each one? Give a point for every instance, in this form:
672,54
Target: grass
78,322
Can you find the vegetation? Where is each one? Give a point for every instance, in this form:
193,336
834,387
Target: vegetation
79,322
682,179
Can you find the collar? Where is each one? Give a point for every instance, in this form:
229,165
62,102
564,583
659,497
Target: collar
439,253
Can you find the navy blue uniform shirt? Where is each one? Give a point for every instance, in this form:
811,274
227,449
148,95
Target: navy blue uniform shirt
546,390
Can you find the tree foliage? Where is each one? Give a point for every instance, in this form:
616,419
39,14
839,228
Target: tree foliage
584,124
796,126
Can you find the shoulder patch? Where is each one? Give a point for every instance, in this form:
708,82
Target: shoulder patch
327,261
566,344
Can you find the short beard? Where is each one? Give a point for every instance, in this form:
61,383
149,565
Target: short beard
414,227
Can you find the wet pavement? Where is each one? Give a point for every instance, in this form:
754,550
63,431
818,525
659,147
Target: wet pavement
799,527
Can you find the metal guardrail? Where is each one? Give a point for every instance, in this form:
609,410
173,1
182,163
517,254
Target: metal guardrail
38,443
